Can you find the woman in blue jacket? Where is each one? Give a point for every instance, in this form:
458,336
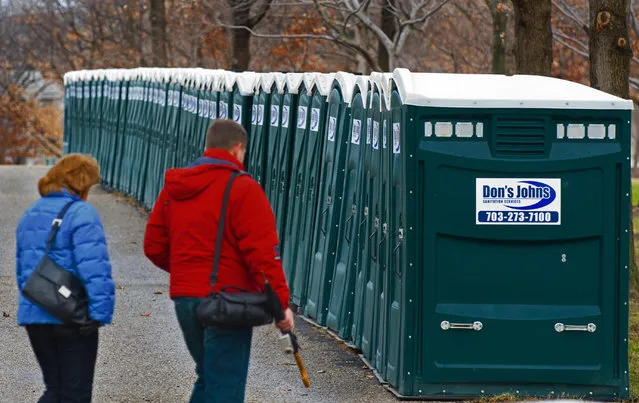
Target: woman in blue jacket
66,353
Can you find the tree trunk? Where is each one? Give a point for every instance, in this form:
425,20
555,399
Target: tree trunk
158,33
388,27
533,37
241,38
500,19
610,66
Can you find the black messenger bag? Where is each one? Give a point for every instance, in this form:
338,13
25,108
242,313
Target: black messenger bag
232,310
55,289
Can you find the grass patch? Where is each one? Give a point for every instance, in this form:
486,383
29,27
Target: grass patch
635,192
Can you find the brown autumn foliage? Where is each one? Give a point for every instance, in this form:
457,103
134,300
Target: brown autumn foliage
28,129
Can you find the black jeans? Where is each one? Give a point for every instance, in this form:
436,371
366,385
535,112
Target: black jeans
67,359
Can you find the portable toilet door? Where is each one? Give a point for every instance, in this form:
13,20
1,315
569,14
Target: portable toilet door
274,131
243,92
383,244
342,293
68,112
312,164
364,226
288,151
370,251
522,207
226,95
396,267
175,102
254,133
122,98
323,247
259,127
298,193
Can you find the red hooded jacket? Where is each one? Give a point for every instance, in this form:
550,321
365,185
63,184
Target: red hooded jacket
182,228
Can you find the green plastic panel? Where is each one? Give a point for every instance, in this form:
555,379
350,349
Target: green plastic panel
342,297
329,206
297,194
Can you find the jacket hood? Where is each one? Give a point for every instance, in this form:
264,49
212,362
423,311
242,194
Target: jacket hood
186,183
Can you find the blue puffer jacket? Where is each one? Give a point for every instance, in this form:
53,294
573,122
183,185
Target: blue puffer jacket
79,247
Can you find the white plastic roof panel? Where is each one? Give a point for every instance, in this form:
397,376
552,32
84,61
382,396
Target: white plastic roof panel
381,84
346,82
280,81
309,81
245,83
229,81
267,81
361,82
499,91
324,83
293,82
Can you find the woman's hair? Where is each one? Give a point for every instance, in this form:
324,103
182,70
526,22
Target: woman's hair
74,172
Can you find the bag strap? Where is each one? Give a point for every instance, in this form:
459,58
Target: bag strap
55,225
220,226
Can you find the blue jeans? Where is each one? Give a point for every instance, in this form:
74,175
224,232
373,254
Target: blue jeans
221,356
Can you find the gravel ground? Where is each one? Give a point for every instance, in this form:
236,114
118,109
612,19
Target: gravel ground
143,358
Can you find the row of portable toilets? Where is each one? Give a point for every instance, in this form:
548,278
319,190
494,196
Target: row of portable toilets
468,233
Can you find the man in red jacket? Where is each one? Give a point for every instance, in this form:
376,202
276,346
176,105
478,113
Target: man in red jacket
180,238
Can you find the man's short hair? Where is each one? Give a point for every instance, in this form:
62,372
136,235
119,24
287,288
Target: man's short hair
225,134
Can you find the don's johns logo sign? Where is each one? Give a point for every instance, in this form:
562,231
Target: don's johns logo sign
504,201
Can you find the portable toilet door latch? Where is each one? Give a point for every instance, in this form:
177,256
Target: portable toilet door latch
446,325
590,328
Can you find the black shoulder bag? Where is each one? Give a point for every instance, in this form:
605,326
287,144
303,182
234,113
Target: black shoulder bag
55,289
234,310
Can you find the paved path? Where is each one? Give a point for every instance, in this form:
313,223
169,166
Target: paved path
143,358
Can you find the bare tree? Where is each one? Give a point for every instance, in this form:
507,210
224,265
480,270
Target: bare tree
533,36
158,33
498,10
241,16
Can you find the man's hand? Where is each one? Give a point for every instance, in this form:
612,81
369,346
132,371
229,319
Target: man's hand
286,324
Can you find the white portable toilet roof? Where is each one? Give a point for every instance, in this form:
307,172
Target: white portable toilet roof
361,82
324,82
228,81
309,81
381,82
500,91
293,82
346,82
245,83
266,82
280,81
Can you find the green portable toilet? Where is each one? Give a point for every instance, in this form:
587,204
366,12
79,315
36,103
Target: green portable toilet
133,116
365,224
297,190
312,163
157,125
174,111
288,155
258,126
141,134
383,245
324,245
243,90
350,216
225,96
370,258
122,99
274,129
514,262
209,114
